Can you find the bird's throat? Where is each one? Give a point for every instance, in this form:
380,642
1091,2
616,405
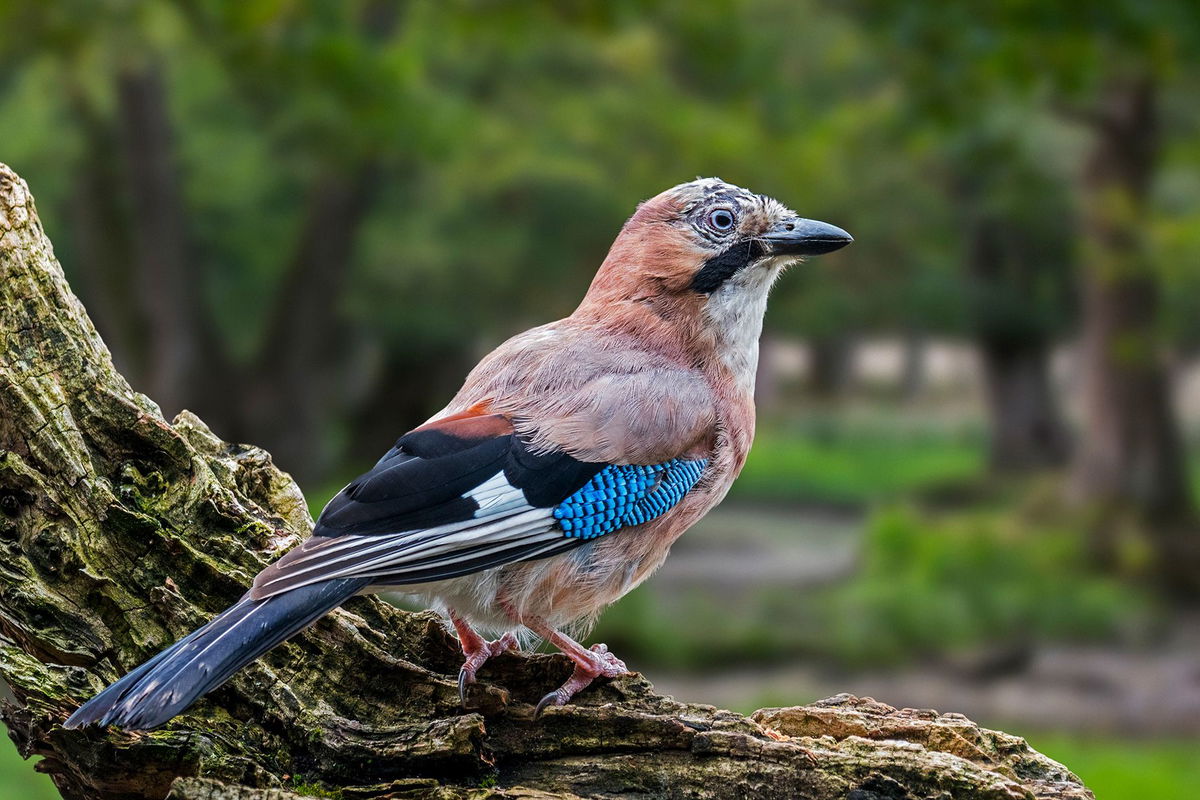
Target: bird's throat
735,314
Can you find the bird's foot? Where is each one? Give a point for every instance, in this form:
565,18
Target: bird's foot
595,662
478,654
477,651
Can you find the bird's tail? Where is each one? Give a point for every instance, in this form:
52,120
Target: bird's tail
195,665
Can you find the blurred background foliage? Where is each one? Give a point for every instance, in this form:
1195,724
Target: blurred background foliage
305,221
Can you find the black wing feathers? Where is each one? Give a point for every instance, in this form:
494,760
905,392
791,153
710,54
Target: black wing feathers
408,520
424,481
420,483
547,478
408,492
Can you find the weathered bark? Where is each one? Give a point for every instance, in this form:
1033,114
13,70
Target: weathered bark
1130,455
120,532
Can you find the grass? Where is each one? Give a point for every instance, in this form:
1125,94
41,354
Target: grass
857,460
943,582
1128,770
927,584
17,778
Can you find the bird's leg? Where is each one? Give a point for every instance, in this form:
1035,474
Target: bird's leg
590,663
477,650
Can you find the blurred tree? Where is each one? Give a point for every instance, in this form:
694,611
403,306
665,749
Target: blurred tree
273,205
333,87
166,277
1018,254
453,159
1133,452
781,123
141,275
1015,231
331,91
1105,70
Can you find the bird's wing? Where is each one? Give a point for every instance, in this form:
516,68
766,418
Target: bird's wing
466,493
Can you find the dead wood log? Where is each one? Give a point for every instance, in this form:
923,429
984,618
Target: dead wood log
120,532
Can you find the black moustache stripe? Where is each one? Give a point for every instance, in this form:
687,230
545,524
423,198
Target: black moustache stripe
725,265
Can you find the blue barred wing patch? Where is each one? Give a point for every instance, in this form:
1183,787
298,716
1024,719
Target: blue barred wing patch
622,495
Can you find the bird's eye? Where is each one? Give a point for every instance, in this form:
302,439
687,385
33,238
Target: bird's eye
721,220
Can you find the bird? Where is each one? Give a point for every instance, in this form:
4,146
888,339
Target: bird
556,479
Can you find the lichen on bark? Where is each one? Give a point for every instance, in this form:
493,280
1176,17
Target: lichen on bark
121,531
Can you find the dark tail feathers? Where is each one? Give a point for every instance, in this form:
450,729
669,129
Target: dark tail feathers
195,665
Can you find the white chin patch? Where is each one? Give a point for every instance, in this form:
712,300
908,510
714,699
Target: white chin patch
778,264
735,313
759,276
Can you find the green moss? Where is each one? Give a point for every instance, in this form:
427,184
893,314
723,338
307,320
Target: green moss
254,528
314,789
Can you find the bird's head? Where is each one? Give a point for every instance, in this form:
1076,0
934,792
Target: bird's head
706,253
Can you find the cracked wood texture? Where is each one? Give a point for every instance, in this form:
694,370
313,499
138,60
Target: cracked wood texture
121,532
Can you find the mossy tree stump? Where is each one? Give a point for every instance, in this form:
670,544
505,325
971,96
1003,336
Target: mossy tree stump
121,531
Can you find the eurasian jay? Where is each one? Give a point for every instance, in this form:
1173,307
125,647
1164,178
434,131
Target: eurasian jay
556,479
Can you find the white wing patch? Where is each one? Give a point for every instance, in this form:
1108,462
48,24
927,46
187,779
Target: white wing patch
496,495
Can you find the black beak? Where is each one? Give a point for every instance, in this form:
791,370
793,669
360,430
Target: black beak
804,237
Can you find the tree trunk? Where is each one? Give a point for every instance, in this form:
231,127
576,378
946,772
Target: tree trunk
1026,430
99,224
1130,455
830,365
913,367
120,532
299,362
169,285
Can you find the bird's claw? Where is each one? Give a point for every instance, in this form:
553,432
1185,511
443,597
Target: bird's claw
477,658
603,664
465,678
556,697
